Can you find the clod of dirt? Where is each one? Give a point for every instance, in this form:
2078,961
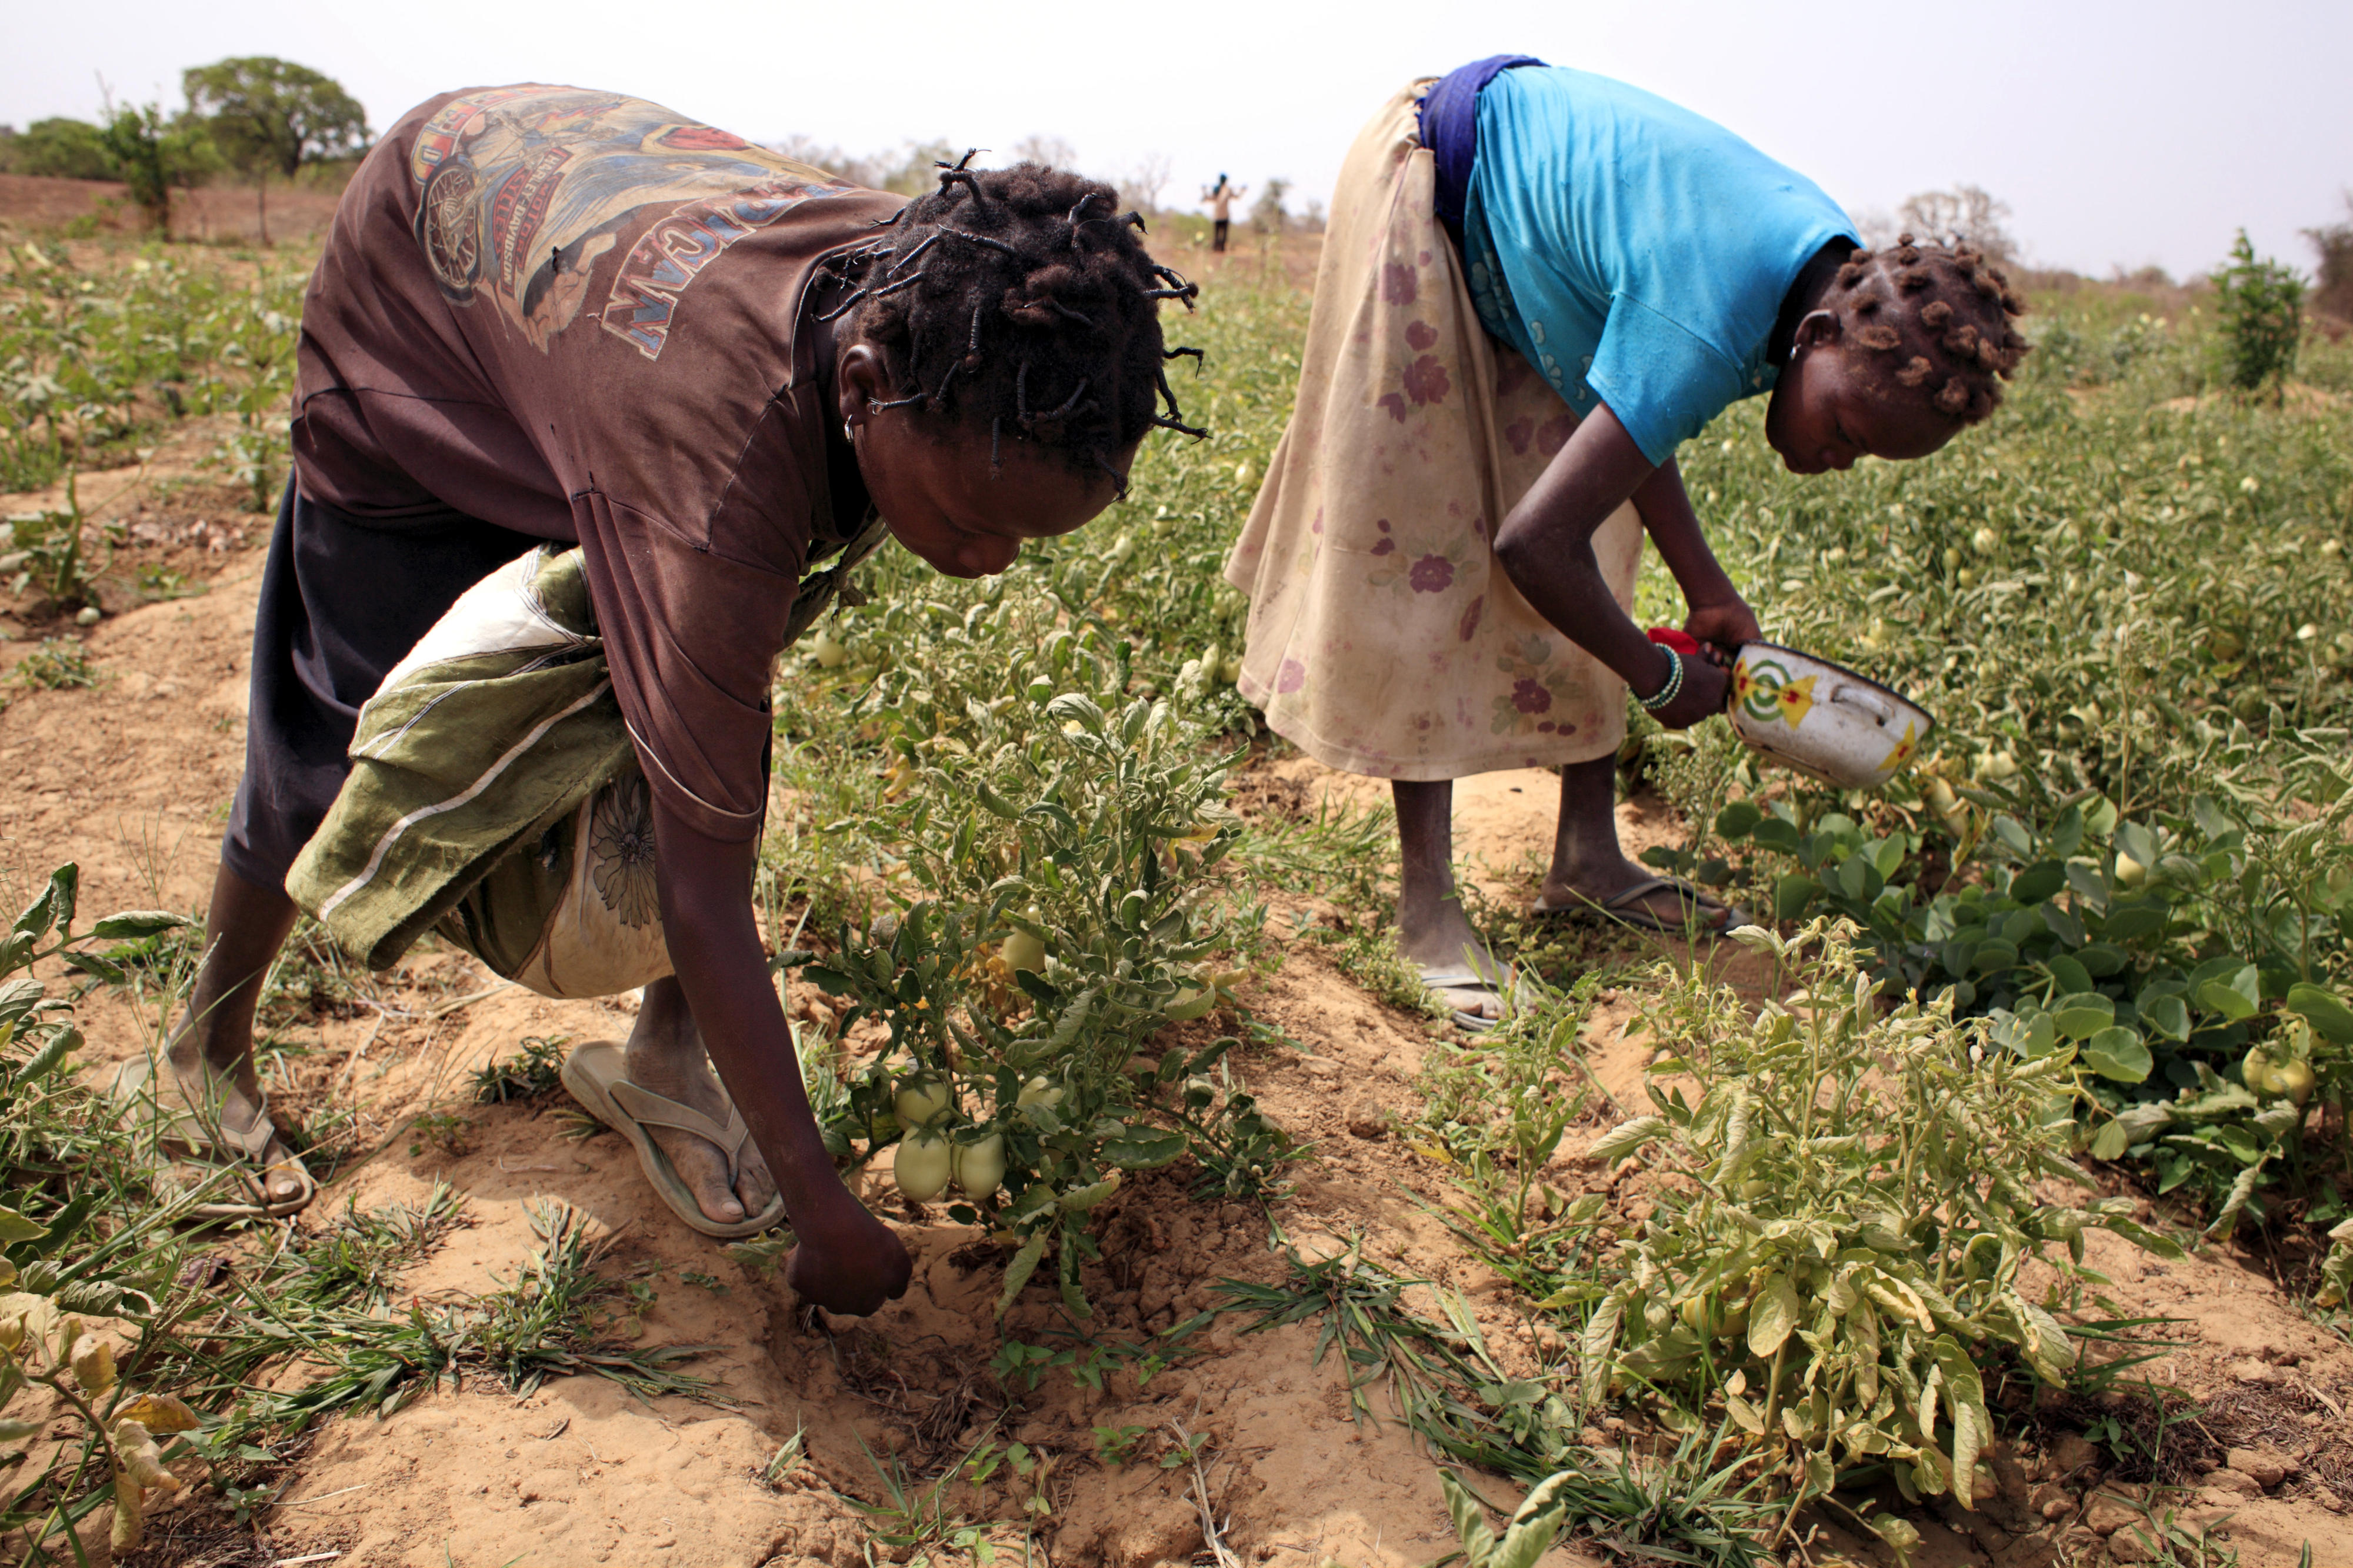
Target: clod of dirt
2267,1470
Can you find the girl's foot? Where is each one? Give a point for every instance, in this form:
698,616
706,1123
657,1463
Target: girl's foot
1434,935
1589,869
1636,895
233,1101
665,1055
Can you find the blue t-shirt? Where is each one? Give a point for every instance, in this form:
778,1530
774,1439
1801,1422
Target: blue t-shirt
1636,253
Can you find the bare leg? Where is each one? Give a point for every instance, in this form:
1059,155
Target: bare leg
1587,862
1432,930
211,1050
666,1055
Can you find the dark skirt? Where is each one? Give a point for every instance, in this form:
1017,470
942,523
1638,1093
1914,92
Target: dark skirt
343,598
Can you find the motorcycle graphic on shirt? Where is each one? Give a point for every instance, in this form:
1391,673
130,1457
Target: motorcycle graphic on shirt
522,190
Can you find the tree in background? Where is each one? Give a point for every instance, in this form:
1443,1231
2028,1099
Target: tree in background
152,155
1051,152
1268,214
2332,293
268,114
1966,213
2260,302
59,148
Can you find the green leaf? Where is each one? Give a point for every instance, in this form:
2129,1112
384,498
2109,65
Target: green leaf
1469,1521
55,906
1534,1525
2118,1054
2111,1141
1994,955
2080,1016
2168,1018
2071,976
15,1227
1736,821
2038,882
2236,998
1793,894
2134,922
1087,1197
2140,1236
1774,1317
2101,959
832,982
1144,1148
2323,1011
1626,1137
1775,833
132,924
1017,1272
1596,1344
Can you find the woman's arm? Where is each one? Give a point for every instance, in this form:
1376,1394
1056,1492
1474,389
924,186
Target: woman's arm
846,1261
1545,545
1719,615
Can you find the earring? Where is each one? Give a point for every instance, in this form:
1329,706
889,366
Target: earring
847,433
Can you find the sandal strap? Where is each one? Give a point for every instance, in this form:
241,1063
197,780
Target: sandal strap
201,1128
650,1109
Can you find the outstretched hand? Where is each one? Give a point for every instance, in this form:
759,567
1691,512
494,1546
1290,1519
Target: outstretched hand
849,1263
1722,626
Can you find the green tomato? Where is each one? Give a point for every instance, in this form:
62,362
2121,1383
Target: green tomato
1022,951
1985,541
920,1167
1230,670
921,1102
2129,871
979,1167
2297,1080
2257,1071
1040,1091
831,652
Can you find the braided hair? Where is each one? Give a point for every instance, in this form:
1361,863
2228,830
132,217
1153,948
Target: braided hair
1945,312
1021,301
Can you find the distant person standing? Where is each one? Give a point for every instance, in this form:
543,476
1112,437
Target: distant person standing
1222,198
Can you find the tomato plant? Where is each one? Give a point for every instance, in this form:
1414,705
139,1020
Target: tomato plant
1850,1209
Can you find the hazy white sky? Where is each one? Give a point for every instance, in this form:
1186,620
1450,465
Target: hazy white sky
2120,134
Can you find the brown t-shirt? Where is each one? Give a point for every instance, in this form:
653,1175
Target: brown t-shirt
573,314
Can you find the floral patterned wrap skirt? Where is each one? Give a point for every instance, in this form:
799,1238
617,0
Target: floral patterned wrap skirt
1384,637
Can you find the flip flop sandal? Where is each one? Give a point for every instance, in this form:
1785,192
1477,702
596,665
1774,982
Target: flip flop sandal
594,1073
1628,909
210,1141
1437,977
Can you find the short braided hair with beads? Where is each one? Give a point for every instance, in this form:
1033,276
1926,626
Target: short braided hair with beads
1945,312
1021,302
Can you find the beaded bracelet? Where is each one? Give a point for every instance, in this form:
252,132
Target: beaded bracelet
1671,689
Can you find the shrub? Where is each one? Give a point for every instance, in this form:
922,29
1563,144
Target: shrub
2261,303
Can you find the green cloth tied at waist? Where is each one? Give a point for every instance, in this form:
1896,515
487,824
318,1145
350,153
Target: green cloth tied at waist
470,768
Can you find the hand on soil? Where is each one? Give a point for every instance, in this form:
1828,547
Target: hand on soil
849,1263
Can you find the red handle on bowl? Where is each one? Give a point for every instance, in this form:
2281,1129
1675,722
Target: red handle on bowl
1681,641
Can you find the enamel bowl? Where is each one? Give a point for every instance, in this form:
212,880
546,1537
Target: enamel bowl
1823,719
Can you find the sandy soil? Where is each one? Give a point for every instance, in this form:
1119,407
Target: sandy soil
132,779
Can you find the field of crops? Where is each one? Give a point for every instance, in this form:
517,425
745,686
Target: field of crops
1790,1250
